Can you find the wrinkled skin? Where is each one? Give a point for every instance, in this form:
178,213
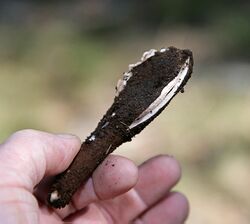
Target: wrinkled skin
118,192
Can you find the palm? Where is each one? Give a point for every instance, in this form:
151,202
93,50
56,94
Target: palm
118,191
150,196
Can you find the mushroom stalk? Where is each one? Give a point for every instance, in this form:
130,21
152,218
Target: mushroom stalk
141,95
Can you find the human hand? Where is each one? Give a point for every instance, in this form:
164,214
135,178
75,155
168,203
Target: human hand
118,192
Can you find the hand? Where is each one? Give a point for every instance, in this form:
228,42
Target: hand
118,192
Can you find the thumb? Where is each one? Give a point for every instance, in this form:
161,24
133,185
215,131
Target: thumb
29,155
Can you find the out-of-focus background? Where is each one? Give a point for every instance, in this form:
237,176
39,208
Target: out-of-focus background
60,61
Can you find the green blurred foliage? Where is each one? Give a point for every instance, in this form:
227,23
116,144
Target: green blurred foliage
227,20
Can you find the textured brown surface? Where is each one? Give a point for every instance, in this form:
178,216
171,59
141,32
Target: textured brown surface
145,85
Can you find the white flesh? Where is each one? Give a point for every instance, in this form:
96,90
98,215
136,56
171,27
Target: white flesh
54,196
166,95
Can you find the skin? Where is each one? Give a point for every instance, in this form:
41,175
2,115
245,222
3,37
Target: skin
118,192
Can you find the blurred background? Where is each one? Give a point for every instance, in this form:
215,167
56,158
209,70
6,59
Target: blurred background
60,62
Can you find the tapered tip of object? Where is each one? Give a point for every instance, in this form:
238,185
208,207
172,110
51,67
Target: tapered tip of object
55,200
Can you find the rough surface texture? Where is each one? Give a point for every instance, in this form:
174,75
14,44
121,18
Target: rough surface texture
143,87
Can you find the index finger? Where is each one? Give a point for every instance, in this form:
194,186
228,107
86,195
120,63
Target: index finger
28,155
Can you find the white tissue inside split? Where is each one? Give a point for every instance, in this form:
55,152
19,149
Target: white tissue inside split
166,95
123,82
54,196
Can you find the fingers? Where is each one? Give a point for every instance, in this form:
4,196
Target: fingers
113,177
90,215
30,155
156,178
117,173
17,206
171,210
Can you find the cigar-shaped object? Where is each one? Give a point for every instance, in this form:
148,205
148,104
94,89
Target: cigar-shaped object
141,95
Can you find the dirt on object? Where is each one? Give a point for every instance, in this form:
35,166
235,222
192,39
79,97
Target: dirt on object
144,86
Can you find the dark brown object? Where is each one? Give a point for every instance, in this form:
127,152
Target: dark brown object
137,104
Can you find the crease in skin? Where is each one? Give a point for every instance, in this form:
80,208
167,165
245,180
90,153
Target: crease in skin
130,196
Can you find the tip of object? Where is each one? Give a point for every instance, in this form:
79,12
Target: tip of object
54,196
